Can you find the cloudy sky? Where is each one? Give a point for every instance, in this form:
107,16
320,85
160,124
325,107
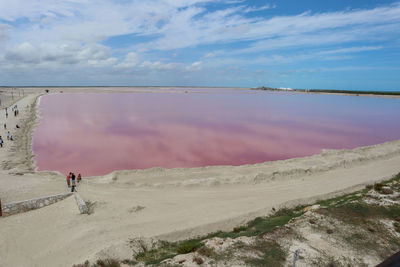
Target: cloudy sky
337,44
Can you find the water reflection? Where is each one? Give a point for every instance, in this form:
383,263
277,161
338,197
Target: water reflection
97,133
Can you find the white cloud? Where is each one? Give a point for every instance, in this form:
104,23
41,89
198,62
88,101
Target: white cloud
46,55
176,23
234,1
351,50
211,54
328,37
195,66
159,65
102,63
130,61
45,34
4,32
261,8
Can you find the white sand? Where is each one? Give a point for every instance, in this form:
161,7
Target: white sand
178,203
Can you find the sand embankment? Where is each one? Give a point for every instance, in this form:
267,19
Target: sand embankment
172,204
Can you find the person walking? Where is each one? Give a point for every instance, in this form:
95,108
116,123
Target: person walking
5,126
69,180
8,135
79,177
73,185
73,178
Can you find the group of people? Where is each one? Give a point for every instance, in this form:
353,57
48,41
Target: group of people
14,109
71,181
9,136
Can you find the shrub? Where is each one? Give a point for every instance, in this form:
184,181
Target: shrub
198,260
378,187
107,263
386,191
85,264
206,251
188,246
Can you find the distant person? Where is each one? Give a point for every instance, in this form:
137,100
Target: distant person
5,126
79,177
1,142
17,126
69,180
6,115
73,179
15,113
8,135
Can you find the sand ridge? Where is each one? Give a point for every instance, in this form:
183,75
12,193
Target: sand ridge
174,203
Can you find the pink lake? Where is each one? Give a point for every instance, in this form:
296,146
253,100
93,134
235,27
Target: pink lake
95,134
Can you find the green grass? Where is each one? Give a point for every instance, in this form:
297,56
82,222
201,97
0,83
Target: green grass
155,256
348,209
256,227
364,219
189,246
343,199
358,213
352,197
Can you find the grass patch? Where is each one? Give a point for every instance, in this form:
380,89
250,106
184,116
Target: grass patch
358,213
256,227
188,246
343,199
355,196
166,251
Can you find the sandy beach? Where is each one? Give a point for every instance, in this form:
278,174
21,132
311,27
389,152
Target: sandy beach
169,204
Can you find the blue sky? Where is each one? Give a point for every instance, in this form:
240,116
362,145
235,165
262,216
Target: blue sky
298,44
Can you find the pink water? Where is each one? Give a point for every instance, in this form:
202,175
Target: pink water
95,134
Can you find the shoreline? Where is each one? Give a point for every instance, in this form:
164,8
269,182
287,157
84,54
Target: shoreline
25,157
172,204
384,94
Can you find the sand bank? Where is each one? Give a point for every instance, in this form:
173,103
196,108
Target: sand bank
164,203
